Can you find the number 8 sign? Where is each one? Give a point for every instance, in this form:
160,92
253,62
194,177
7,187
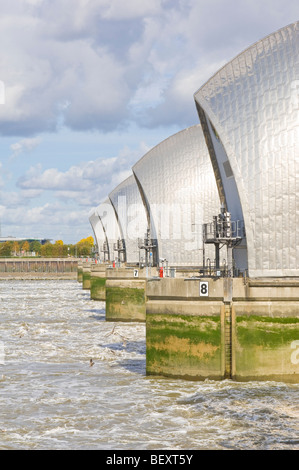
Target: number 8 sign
204,289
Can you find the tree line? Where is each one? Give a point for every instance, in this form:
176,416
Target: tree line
48,250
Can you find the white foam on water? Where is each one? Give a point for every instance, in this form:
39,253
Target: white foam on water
51,398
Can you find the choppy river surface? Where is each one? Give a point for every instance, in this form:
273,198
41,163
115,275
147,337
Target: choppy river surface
51,398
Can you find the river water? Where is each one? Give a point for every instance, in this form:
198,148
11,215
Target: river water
51,398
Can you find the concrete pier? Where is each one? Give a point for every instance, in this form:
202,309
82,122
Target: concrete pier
265,329
98,281
206,328
80,271
125,294
86,271
223,328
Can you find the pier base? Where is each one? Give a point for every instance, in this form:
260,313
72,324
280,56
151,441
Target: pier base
184,335
231,329
80,271
98,282
86,270
265,333
125,294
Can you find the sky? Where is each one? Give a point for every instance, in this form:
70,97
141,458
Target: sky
87,87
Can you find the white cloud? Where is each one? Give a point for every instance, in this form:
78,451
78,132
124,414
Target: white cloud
118,9
45,221
1,177
13,199
24,145
86,183
105,58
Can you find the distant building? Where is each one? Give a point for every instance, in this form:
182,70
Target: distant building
29,240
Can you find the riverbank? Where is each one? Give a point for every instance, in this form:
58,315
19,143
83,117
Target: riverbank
38,268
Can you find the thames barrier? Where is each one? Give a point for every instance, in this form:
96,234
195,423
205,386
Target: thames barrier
201,241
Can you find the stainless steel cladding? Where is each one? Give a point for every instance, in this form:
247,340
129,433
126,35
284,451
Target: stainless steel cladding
131,218
106,213
98,231
179,191
249,113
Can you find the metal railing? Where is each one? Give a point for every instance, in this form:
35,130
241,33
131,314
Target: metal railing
223,230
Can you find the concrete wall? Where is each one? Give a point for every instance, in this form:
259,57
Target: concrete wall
240,330
98,282
265,333
38,268
125,294
80,271
86,270
184,335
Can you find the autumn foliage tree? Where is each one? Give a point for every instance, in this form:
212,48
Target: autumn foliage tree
5,249
84,246
56,250
15,248
49,250
25,247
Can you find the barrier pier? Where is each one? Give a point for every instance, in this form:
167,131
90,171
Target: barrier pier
228,329
125,294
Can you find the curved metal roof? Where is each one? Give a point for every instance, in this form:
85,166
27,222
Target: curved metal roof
108,220
98,231
179,191
130,215
249,113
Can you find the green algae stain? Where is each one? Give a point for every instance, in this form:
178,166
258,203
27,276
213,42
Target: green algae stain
266,331
97,288
195,329
183,345
117,295
125,304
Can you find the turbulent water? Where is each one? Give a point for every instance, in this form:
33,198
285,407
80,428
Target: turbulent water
51,398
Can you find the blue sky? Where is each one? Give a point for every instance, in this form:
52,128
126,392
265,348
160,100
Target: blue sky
89,86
